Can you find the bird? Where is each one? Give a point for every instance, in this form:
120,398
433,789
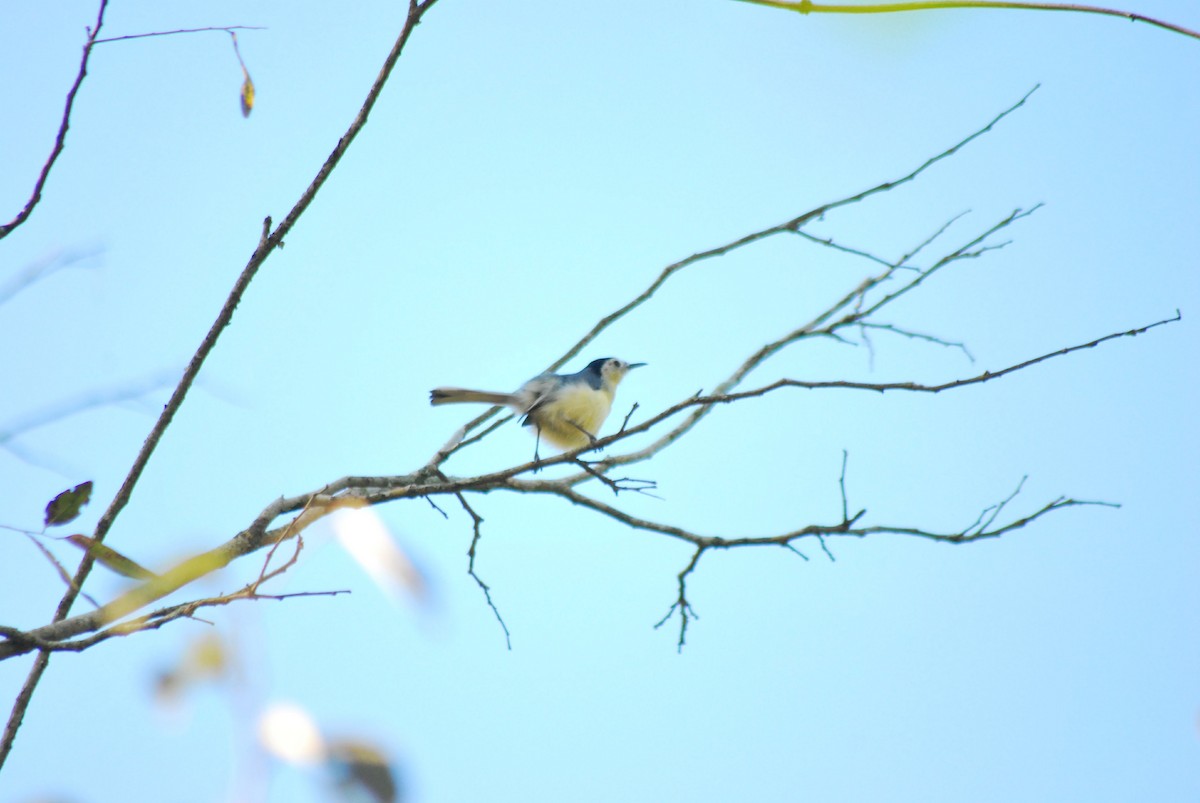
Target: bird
565,409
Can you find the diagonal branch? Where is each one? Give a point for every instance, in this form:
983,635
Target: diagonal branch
269,241
426,483
59,142
790,226
708,401
66,408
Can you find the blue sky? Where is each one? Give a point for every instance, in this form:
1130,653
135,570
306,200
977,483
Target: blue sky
529,168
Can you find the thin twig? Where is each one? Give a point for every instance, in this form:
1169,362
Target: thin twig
63,574
842,486
36,196
889,327
153,620
681,604
225,28
476,521
790,226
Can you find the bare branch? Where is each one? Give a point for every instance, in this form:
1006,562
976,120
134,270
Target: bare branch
845,249
151,621
225,28
881,387
979,525
896,330
792,225
707,401
40,184
842,486
63,574
921,246
424,483
266,246
826,324
811,329
476,521
681,603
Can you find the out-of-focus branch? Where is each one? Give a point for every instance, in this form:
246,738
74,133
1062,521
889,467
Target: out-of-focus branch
65,408
42,268
809,7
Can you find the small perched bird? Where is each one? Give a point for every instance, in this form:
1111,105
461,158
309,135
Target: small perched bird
567,409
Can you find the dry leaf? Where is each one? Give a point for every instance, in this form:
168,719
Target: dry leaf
247,94
66,506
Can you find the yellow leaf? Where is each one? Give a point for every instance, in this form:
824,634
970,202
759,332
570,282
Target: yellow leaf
111,558
247,94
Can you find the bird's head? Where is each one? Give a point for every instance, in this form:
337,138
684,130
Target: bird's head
611,370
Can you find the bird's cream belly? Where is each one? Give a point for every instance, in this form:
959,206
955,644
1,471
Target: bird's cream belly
567,421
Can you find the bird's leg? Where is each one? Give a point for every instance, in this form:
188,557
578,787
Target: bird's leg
591,438
537,442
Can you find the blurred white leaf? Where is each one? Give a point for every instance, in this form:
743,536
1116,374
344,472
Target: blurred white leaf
288,732
363,534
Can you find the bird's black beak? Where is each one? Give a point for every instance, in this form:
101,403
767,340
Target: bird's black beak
633,365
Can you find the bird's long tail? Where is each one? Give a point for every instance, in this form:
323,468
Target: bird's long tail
460,395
